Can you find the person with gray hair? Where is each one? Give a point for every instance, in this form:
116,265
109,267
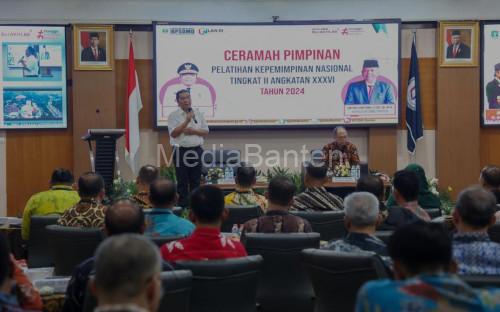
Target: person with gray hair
340,151
473,250
127,275
361,220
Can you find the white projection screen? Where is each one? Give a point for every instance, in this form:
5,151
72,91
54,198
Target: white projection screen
294,74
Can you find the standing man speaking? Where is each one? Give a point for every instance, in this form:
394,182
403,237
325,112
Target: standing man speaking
186,127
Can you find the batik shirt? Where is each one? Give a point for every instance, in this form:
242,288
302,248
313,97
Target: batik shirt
440,292
246,197
476,254
317,199
203,244
142,199
277,222
86,214
334,153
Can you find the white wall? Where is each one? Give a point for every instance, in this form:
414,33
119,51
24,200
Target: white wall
243,10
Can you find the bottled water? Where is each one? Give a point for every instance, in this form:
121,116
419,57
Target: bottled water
228,173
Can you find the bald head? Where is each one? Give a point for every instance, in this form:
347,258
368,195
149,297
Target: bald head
90,185
340,134
124,216
147,174
163,193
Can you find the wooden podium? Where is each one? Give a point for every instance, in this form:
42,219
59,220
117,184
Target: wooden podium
105,159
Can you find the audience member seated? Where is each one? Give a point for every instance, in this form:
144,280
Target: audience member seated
8,299
127,275
161,221
124,216
473,250
425,280
405,191
490,180
426,199
361,220
206,243
315,197
56,200
147,175
277,218
27,295
88,212
374,185
244,194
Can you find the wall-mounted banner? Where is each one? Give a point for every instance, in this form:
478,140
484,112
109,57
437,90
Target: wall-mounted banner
33,77
294,74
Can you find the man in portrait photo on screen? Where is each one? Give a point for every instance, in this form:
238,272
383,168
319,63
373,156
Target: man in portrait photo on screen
493,90
370,90
30,63
457,49
187,127
93,53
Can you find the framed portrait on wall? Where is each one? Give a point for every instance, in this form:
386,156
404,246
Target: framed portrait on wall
458,44
490,73
93,47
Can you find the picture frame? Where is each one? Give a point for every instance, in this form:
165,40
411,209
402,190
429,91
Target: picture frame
458,43
93,47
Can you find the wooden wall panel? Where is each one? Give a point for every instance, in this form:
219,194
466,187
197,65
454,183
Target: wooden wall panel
490,147
427,68
144,70
92,91
458,130
31,157
382,149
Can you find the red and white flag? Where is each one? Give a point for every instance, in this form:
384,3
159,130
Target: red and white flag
132,108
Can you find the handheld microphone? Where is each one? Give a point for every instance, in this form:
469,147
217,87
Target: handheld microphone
194,118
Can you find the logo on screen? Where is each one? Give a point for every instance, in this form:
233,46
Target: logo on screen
495,34
182,31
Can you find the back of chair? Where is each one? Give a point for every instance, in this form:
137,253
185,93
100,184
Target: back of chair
434,212
482,281
285,285
240,215
337,277
177,287
162,240
71,246
224,285
38,243
330,224
494,232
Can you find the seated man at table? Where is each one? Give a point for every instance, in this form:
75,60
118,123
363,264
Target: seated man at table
473,250
127,275
490,180
244,194
277,218
425,276
361,220
161,221
207,212
56,200
147,175
340,151
315,197
124,216
405,192
88,212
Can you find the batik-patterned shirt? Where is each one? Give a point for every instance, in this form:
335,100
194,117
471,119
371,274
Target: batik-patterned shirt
276,221
87,214
203,244
476,254
334,153
317,199
142,199
440,292
245,197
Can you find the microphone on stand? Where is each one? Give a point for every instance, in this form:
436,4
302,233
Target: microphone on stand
194,118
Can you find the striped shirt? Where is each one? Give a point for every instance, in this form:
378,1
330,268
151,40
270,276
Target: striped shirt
317,199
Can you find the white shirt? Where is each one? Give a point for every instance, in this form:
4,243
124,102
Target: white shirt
178,117
31,68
